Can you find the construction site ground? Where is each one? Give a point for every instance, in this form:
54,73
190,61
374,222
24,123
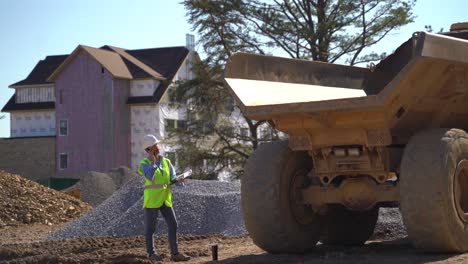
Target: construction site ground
23,230
23,244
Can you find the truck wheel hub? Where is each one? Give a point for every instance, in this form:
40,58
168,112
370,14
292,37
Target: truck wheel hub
460,189
303,214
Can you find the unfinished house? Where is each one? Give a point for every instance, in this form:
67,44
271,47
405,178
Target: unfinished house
98,103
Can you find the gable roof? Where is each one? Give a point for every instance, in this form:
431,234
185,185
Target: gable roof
108,59
150,99
156,75
11,105
163,60
41,71
167,61
159,63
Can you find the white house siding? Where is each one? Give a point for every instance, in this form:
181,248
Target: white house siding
167,112
35,94
32,124
149,119
144,120
145,87
184,72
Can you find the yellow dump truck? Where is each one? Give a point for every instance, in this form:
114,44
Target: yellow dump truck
359,139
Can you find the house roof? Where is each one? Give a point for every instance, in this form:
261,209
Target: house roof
11,105
150,99
42,70
167,61
108,59
145,68
163,60
159,63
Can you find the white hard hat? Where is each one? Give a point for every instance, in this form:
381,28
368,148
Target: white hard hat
148,141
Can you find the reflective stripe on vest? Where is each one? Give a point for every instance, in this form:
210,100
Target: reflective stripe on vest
156,186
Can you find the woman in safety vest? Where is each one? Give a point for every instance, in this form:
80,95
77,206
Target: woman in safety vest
158,172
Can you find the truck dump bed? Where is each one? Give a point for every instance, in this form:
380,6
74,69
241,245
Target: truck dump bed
422,85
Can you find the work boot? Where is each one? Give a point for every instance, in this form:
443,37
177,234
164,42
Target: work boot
179,257
155,257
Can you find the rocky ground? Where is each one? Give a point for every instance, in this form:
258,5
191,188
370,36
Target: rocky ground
31,214
231,250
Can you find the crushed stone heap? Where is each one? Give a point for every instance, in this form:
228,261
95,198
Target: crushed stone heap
26,202
201,207
389,225
96,187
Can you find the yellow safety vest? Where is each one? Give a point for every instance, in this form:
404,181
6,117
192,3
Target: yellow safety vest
157,191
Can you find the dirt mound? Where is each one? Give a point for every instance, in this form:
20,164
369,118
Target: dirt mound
25,202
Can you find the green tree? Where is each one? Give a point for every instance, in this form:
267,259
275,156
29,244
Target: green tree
328,30
216,135
324,30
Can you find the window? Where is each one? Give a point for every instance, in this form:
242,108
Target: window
209,164
201,127
63,127
63,161
169,124
266,133
244,131
228,131
208,128
172,124
229,104
182,124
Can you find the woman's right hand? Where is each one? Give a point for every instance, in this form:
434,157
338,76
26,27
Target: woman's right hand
152,157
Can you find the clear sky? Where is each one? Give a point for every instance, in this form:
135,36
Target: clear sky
32,29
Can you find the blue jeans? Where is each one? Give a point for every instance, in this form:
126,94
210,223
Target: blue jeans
151,216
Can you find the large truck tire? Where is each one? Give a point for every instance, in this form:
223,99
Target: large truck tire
276,221
434,184
346,227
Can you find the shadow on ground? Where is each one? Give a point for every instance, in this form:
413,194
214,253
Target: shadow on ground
397,251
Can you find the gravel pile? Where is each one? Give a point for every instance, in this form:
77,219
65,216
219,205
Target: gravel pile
96,187
389,224
201,207
26,202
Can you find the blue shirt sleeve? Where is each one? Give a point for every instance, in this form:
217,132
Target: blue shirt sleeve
172,172
148,171
173,175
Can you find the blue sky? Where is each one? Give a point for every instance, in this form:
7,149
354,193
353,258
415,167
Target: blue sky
32,29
